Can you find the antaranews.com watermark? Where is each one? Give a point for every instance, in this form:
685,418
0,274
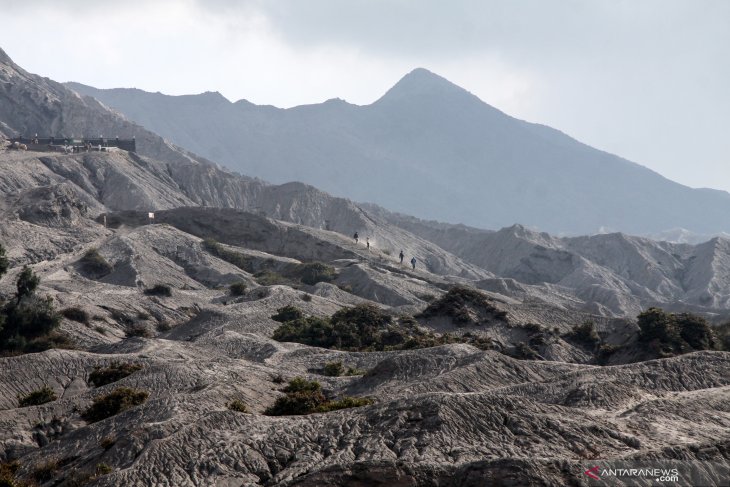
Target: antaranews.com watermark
657,473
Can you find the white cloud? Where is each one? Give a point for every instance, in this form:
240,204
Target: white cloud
646,80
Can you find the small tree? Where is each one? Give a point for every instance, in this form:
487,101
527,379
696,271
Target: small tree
27,283
4,264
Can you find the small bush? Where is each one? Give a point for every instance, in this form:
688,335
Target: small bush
100,329
235,258
278,379
238,406
138,330
313,272
118,401
8,471
36,398
287,313
103,469
344,403
333,369
94,264
76,314
237,289
306,397
31,319
107,442
162,290
666,334
271,278
306,297
464,306
102,376
584,334
46,471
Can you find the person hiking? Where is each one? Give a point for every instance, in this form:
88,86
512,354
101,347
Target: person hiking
413,263
367,242
401,257
356,236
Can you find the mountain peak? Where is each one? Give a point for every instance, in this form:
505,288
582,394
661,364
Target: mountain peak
422,82
4,58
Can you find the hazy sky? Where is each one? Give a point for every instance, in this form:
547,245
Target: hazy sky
646,79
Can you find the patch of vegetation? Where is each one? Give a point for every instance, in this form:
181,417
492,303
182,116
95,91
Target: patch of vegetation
8,472
4,262
278,379
333,369
605,351
27,323
237,289
162,290
464,306
524,351
76,314
271,278
584,334
239,260
365,328
306,298
668,334
103,469
138,330
107,442
337,369
313,272
45,472
111,404
238,406
287,313
116,371
36,398
306,397
93,264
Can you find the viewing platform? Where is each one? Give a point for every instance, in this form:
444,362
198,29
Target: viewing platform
70,144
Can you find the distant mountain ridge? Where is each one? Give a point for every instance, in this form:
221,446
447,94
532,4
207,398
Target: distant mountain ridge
431,149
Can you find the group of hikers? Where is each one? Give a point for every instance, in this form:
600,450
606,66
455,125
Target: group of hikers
401,256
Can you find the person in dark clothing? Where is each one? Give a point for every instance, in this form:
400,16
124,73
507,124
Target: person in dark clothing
413,263
356,237
367,241
401,257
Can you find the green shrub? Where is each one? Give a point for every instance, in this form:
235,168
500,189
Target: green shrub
237,289
271,278
45,472
287,313
107,442
159,290
103,469
4,263
461,304
666,334
27,283
102,376
306,297
93,264
584,334
238,406
333,369
8,473
313,272
76,314
235,258
138,330
306,397
36,398
344,403
29,325
117,401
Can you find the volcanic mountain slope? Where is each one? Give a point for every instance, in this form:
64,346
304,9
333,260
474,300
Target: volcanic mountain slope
431,149
610,273
443,416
